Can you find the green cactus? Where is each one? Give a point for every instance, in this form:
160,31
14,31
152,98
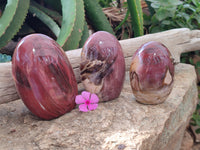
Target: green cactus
12,19
68,20
85,35
135,9
45,19
96,17
75,36
51,13
65,19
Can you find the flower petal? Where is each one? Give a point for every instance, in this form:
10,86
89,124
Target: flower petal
83,108
86,95
92,106
94,98
79,99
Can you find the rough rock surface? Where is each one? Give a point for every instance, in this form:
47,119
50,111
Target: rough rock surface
119,124
187,142
196,147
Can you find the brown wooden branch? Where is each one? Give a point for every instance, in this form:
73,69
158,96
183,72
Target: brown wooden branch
178,41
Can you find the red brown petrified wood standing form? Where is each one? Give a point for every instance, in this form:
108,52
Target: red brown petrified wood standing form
44,77
102,65
151,73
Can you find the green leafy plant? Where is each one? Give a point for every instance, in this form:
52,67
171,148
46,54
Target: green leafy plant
169,14
64,20
12,18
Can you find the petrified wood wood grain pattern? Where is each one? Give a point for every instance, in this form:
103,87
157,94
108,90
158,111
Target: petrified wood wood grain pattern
177,40
152,73
103,66
44,77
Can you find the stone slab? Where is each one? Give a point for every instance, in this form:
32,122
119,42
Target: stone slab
119,124
188,141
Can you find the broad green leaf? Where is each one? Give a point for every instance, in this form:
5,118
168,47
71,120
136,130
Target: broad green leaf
164,12
175,2
155,5
12,19
166,22
68,20
170,2
164,3
171,10
161,14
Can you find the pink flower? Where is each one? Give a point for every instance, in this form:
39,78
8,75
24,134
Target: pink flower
87,101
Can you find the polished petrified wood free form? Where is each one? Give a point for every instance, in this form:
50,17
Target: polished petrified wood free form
102,66
152,73
44,77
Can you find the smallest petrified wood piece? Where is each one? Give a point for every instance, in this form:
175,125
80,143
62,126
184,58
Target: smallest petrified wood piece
103,66
152,73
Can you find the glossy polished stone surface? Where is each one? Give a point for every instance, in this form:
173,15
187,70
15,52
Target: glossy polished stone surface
44,77
102,65
151,73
